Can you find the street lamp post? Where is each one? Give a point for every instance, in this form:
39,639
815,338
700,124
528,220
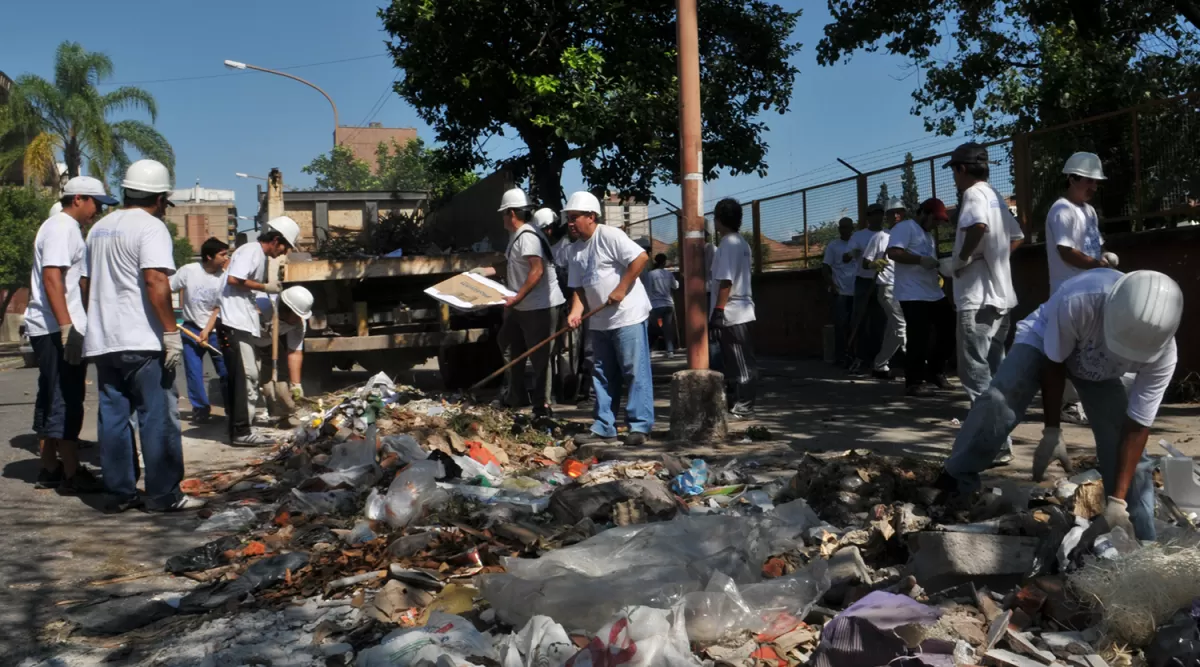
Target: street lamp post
233,64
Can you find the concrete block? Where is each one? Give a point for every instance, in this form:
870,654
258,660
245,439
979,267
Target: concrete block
1004,658
968,554
698,407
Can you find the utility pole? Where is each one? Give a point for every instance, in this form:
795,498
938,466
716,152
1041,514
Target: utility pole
692,170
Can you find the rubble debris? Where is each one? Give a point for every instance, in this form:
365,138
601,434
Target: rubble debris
572,504
938,554
203,557
262,574
444,636
119,615
1140,591
863,635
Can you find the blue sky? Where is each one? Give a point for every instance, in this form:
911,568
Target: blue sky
230,122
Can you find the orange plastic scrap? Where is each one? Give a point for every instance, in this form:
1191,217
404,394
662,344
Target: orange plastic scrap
574,468
477,451
283,518
195,487
255,548
768,655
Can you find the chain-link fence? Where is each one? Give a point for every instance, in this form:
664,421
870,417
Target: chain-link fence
1150,153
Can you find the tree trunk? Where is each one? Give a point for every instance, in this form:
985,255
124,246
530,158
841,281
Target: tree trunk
547,181
73,157
8,297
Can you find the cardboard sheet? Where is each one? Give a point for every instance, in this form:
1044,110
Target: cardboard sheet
468,291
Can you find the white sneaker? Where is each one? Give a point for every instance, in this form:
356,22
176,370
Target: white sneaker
670,355
1073,413
184,504
254,439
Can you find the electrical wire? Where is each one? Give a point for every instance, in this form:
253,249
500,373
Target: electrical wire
225,74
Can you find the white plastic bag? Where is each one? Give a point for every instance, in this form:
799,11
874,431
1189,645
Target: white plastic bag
473,470
411,492
444,640
639,637
231,520
406,447
351,454
541,643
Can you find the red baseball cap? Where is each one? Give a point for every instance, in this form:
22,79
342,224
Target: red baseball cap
935,207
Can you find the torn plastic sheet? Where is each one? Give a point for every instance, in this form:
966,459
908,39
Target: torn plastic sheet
864,634
444,640
352,454
584,585
639,637
359,477
326,502
541,643
723,608
404,446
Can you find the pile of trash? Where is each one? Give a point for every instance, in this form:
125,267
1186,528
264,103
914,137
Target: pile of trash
399,529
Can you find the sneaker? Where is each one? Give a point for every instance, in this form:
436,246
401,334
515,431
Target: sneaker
635,439
201,417
919,391
117,506
591,438
83,481
738,416
253,439
183,504
882,373
585,403
670,355
49,479
1074,414
543,412
856,368
1004,458
941,382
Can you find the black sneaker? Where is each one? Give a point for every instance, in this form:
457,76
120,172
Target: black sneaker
590,438
49,479
83,481
585,404
635,439
919,391
200,418
119,505
881,374
941,382
543,411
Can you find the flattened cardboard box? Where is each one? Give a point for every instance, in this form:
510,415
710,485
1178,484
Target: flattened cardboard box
468,291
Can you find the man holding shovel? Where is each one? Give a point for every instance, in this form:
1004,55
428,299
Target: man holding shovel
603,270
293,315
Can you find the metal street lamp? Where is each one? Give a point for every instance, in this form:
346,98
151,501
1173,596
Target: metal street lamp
233,64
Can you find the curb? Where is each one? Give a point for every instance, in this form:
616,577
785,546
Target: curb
11,363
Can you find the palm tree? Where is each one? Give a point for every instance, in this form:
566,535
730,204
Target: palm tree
72,117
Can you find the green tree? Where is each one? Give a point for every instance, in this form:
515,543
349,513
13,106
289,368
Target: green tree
883,196
594,81
411,167
908,186
70,115
22,210
340,170
182,248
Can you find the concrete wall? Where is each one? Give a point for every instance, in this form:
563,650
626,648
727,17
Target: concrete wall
345,217
793,306
200,221
471,215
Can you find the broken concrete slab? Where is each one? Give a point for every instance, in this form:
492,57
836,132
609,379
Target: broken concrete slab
997,630
1089,660
1065,644
119,615
698,406
1022,642
937,554
999,656
846,569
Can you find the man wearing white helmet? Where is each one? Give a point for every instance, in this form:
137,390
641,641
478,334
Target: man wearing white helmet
1073,240
876,256
530,316
56,322
133,340
604,271
293,324
240,324
1097,327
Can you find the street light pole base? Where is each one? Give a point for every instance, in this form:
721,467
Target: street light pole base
698,407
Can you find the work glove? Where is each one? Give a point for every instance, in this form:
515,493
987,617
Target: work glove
272,288
172,350
929,263
1052,447
297,391
960,264
1116,515
717,319
1111,259
479,271
72,342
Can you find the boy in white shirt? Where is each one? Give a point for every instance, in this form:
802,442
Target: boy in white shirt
660,283
876,256
839,280
202,283
56,322
1097,327
604,271
930,316
733,314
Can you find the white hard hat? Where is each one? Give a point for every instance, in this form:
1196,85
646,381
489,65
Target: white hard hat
895,204
286,226
147,176
56,209
582,202
299,299
514,198
1141,315
1084,164
544,217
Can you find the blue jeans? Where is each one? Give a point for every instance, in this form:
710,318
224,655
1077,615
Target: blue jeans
137,381
999,409
981,336
193,368
622,360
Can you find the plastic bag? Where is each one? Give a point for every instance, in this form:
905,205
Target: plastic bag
541,643
406,447
262,574
639,637
203,557
691,482
234,520
444,637
411,492
723,608
359,477
473,470
325,502
351,454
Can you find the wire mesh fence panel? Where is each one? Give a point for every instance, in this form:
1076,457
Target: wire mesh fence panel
784,221
1168,155
664,237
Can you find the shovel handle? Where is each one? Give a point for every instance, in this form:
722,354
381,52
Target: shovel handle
533,349
202,343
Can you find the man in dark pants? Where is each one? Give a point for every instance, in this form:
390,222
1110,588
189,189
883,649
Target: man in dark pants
733,314
838,274
927,311
867,322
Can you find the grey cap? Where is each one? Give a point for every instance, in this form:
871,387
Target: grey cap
968,153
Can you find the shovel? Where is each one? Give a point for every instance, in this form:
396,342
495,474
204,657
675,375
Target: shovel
531,350
277,393
202,343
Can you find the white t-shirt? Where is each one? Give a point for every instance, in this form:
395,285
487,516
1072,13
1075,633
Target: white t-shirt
987,281
659,283
877,249
562,252
238,311
525,243
119,247
58,243
1069,328
859,241
597,265
201,292
843,272
732,262
1074,227
291,336
914,282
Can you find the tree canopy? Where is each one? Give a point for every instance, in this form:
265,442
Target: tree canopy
594,81
22,210
1008,66
70,115
411,167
